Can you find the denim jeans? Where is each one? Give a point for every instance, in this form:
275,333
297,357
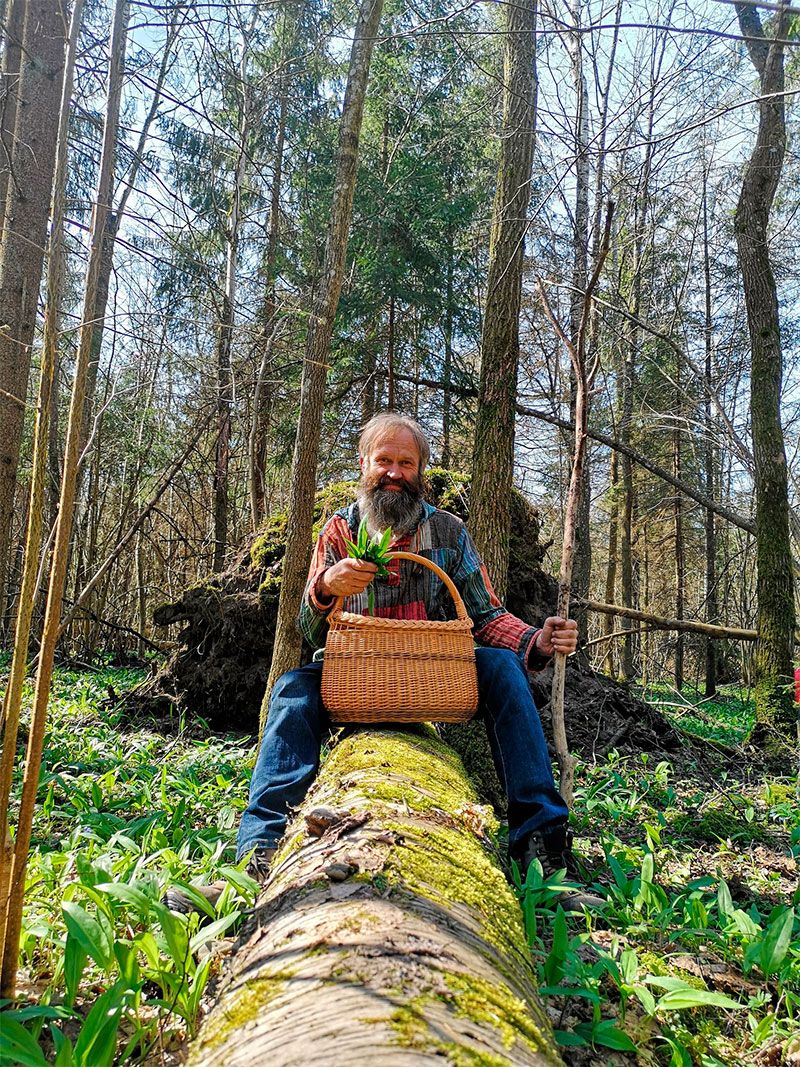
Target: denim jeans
289,756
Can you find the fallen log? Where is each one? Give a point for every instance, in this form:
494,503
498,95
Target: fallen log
658,622
393,937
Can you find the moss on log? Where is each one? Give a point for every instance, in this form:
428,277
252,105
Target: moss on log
394,937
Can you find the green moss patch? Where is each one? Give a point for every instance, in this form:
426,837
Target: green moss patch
241,1008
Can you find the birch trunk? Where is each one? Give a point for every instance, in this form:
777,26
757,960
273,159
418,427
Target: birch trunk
392,938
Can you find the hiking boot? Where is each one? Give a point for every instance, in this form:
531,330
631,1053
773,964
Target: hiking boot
553,850
179,900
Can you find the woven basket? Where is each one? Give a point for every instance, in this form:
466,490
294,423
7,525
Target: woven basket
400,670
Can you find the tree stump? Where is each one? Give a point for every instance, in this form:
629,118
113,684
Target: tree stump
393,937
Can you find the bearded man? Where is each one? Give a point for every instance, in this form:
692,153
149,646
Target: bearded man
393,454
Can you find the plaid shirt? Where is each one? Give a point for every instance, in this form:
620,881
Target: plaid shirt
415,592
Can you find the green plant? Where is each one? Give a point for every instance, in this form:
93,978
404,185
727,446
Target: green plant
374,550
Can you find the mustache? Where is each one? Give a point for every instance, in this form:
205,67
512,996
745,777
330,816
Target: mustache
406,487
378,483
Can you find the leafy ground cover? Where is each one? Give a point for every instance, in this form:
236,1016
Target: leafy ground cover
694,960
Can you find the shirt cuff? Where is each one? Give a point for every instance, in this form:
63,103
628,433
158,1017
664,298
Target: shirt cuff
534,659
317,600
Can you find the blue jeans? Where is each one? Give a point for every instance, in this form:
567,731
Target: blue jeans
289,756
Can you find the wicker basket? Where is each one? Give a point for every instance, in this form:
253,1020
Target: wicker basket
400,670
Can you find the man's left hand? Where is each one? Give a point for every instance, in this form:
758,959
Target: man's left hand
557,635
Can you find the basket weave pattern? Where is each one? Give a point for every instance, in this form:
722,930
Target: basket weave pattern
400,670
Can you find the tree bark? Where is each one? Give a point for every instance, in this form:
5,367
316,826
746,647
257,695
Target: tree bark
115,217
709,459
493,455
680,548
611,568
222,454
262,396
447,366
9,83
24,235
582,559
394,937
315,363
775,713
583,377
658,622
12,702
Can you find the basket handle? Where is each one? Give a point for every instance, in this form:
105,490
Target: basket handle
461,611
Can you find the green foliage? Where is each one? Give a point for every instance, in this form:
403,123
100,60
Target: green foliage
628,980
119,819
728,716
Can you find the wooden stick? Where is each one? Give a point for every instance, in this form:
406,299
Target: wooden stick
577,355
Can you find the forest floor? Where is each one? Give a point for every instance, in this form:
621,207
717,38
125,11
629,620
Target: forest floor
694,960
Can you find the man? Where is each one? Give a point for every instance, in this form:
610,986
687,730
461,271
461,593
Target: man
393,454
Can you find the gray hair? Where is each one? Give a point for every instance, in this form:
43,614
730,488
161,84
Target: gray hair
379,425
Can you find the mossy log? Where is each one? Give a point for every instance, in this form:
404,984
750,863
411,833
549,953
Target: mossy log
393,937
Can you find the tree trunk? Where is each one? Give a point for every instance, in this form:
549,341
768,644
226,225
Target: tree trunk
262,396
9,81
611,569
222,454
24,236
58,571
709,461
392,938
390,355
318,338
45,417
447,367
680,549
115,217
493,456
582,559
775,713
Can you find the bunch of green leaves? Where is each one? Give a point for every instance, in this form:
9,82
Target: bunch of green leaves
373,550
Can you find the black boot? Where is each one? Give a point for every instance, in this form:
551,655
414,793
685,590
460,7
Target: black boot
258,869
553,849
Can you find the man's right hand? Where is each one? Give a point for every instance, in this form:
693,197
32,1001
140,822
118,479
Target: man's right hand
346,578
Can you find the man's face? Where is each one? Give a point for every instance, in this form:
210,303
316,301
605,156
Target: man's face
391,483
392,464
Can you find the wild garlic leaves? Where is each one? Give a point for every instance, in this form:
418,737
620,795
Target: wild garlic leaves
374,550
